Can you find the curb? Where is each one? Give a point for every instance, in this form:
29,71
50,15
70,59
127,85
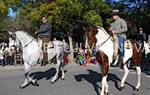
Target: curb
37,66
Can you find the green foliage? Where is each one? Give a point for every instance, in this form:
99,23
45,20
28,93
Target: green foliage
92,18
68,15
3,9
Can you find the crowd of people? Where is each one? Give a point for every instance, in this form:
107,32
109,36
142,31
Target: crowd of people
84,58
10,55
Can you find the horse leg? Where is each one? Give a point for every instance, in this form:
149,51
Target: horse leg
27,70
124,77
138,71
25,83
28,79
104,82
62,71
115,62
137,61
32,81
57,72
41,56
104,64
106,88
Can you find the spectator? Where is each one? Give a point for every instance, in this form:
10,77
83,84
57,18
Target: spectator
141,36
80,59
18,55
88,59
8,56
1,57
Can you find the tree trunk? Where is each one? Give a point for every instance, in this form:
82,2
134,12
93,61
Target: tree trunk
71,59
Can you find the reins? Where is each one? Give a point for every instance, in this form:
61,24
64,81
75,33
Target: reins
29,42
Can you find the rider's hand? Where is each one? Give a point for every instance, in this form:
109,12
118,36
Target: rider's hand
113,31
35,32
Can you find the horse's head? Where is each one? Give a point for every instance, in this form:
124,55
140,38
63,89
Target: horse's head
13,41
91,37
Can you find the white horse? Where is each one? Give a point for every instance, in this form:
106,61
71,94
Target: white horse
97,37
32,53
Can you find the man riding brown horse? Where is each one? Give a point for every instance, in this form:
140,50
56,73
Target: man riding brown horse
118,30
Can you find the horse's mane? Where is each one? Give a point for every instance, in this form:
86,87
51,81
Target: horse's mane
105,32
24,35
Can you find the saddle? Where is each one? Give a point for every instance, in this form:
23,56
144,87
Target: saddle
127,44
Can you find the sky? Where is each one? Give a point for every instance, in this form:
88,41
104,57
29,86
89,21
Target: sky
11,13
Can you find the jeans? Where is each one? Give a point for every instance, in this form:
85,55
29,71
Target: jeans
2,61
121,46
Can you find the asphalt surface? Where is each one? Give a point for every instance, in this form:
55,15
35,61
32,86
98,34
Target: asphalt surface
79,80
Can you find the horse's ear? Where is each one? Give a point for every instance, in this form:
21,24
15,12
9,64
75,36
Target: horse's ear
9,32
12,34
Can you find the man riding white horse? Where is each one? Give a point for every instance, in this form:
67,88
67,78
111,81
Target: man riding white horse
118,30
44,37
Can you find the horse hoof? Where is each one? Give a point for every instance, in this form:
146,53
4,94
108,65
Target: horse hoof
62,78
106,93
135,89
51,82
22,87
122,87
35,83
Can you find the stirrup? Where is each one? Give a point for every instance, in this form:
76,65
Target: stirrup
127,45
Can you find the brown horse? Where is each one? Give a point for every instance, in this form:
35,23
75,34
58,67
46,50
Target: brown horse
99,39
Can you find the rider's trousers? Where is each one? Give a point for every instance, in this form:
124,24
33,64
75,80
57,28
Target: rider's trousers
115,45
121,46
45,41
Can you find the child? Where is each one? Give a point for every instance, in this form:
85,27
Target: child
88,59
80,59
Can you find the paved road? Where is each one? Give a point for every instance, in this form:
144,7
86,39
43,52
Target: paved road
79,80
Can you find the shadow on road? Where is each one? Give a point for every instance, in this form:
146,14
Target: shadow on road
48,74
94,78
43,74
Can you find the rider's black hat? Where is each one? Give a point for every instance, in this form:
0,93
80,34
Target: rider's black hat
115,12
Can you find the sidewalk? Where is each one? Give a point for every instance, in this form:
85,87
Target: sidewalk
37,66
17,67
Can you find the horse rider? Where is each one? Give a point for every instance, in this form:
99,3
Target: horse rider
44,38
118,30
141,37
